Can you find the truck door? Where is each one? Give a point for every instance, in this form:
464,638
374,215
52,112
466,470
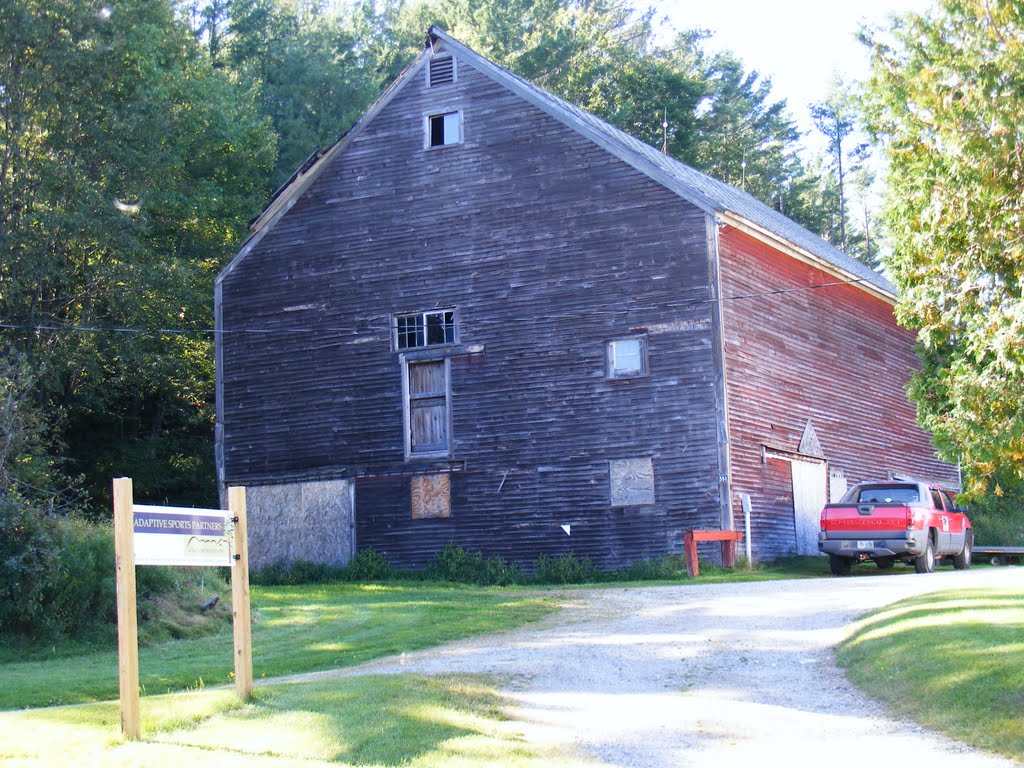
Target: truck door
956,522
943,522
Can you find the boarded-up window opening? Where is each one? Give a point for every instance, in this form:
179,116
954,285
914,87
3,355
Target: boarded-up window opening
428,407
431,496
632,482
442,71
444,129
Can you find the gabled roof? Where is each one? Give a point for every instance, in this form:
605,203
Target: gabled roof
731,205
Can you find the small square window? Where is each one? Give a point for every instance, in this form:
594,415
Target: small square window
627,358
444,130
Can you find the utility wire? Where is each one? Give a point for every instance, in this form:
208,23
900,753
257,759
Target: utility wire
85,329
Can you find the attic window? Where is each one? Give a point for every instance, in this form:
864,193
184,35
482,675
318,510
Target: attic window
442,71
444,129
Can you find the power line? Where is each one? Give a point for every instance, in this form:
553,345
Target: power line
91,329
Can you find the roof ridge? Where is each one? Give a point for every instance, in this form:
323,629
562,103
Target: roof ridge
701,189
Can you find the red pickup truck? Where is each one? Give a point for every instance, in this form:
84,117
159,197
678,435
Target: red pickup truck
894,521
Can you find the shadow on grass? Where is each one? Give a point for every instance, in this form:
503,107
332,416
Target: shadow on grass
384,720
378,720
939,609
949,660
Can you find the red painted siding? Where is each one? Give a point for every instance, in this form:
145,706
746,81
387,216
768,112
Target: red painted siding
833,356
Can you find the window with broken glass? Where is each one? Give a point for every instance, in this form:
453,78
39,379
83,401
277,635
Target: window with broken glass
425,329
444,129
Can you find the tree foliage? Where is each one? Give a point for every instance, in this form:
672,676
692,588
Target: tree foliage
128,166
836,118
947,96
137,138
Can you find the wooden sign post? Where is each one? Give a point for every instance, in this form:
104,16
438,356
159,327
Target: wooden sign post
240,597
176,536
127,619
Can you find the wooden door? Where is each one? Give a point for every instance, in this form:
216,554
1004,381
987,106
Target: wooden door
428,408
809,497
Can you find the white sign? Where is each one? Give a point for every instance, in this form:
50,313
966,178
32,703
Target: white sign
181,536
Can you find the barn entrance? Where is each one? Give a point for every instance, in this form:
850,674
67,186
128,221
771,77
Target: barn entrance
810,480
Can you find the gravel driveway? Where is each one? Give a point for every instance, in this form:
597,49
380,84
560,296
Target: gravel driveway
705,675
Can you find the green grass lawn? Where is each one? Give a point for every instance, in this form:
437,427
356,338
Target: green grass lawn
307,628
382,720
951,661
295,629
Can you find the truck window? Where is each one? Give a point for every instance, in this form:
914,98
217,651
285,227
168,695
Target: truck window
884,494
937,499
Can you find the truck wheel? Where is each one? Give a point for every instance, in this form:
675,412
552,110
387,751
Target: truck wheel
840,566
925,562
962,560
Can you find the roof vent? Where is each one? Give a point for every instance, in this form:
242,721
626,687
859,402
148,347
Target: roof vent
442,71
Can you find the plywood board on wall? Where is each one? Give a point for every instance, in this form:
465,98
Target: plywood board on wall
431,496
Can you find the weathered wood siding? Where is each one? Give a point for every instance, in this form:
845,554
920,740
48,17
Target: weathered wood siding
548,247
832,356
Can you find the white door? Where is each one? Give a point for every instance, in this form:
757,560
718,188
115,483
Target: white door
837,485
809,497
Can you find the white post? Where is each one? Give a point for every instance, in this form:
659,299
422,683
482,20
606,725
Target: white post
745,500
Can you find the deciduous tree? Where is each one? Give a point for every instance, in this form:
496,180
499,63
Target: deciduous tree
947,97
128,168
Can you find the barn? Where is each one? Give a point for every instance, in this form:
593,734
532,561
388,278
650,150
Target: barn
487,317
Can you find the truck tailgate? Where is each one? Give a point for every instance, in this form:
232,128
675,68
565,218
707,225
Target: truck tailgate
865,521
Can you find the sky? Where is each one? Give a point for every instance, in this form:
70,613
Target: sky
799,44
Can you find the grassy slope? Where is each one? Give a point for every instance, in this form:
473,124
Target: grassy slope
295,629
951,661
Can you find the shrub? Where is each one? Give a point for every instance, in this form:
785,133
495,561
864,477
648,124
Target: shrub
298,572
654,569
369,565
998,520
28,557
56,574
565,569
82,591
453,563
57,580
